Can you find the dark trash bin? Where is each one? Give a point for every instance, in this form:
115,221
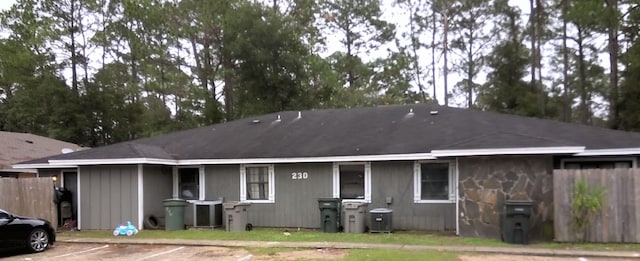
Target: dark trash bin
174,213
515,225
329,214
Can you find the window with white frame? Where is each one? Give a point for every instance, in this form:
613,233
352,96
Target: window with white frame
434,181
352,181
257,183
189,183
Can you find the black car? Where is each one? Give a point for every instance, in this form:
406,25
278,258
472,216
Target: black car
18,232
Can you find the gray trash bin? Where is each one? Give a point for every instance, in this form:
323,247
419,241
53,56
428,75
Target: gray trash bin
235,216
354,216
381,220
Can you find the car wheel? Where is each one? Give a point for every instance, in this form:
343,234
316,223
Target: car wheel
38,240
129,233
116,232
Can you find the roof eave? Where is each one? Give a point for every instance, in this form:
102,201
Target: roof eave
610,152
509,151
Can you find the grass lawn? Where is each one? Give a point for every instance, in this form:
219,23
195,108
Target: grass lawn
269,234
398,237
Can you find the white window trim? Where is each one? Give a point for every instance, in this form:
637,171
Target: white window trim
243,183
367,180
417,182
563,162
201,178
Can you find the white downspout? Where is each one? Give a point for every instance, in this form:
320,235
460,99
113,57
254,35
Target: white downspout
79,199
457,199
140,197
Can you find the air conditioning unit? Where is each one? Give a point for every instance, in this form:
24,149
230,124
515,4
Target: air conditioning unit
207,214
381,220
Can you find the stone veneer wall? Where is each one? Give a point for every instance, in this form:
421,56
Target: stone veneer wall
486,182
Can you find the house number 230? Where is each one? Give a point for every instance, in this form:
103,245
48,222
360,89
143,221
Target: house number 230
299,175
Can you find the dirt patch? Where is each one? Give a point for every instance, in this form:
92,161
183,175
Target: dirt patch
315,254
472,257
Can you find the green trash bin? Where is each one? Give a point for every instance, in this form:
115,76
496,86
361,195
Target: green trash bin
515,226
174,213
329,214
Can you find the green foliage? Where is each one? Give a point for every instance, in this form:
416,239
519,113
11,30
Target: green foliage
97,72
586,202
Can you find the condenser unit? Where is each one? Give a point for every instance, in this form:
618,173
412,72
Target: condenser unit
207,214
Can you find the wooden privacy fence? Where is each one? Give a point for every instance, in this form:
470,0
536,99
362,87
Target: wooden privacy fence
32,197
619,218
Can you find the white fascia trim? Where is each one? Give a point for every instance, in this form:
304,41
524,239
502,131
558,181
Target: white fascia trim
123,161
609,152
509,151
41,166
361,158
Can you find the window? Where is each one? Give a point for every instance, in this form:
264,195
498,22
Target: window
188,183
434,182
352,181
599,164
257,183
4,215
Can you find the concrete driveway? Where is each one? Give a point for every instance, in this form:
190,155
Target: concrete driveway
122,251
73,251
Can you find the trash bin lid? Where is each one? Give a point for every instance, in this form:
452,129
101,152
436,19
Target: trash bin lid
233,204
519,202
380,210
353,204
328,200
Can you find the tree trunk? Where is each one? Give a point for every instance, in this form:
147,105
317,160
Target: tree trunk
613,68
584,109
539,29
445,43
566,105
470,73
433,56
532,23
350,73
227,68
414,46
74,58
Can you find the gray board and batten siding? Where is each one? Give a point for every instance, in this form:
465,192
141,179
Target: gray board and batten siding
108,196
157,186
395,179
296,200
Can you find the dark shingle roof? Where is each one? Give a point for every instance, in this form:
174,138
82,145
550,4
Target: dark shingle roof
16,147
362,131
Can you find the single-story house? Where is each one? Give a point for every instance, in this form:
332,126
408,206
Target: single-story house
437,168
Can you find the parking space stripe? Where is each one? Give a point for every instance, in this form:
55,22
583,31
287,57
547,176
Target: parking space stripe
161,253
83,251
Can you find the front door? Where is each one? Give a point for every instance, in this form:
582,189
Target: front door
71,184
